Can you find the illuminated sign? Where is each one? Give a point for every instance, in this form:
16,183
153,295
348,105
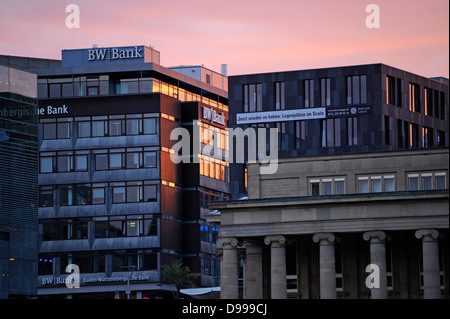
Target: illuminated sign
213,116
114,54
280,116
53,110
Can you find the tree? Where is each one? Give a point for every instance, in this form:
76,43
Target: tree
177,274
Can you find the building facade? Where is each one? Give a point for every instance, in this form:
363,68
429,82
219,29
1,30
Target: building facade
339,110
18,184
368,225
112,199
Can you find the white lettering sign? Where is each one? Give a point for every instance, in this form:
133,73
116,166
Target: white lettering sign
212,116
53,110
114,54
280,116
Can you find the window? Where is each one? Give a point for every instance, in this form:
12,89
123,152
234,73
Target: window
46,196
393,91
300,134
390,90
356,89
363,184
352,131
98,128
46,165
325,92
413,135
134,192
59,130
389,184
327,186
427,137
339,264
376,184
282,136
442,104
413,182
387,130
84,129
399,133
115,127
414,97
428,102
331,132
149,125
427,181
65,229
252,97
279,96
440,138
309,93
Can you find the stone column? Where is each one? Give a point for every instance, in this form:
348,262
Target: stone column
253,287
378,257
430,255
327,266
277,266
229,288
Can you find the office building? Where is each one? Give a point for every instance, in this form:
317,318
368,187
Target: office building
18,184
339,110
111,199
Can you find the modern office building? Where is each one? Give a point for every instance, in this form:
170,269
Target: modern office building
18,184
339,110
366,225
111,198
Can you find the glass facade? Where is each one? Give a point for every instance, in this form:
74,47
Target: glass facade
18,184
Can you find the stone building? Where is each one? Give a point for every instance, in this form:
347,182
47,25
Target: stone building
367,225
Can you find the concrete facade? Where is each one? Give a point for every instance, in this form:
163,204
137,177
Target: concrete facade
325,242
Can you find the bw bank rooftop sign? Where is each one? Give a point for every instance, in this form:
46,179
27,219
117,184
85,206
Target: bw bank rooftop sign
110,55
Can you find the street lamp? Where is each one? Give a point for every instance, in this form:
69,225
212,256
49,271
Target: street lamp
132,268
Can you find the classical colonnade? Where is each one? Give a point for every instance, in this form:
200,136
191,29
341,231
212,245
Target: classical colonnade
253,283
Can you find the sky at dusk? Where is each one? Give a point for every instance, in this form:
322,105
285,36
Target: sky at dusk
251,36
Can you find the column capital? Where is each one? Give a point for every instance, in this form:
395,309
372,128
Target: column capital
324,236
377,235
280,239
227,242
430,234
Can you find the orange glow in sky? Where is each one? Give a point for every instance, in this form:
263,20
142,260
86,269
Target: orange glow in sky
251,36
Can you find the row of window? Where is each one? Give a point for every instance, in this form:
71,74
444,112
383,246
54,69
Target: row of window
104,85
409,135
93,262
434,100
356,93
105,159
377,183
95,194
99,126
330,130
105,227
214,168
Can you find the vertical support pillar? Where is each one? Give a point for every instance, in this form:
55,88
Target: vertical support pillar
253,287
277,266
430,257
229,288
327,265
378,257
